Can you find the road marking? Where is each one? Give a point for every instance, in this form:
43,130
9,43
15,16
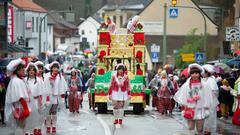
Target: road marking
103,123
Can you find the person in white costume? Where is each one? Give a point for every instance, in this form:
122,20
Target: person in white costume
210,125
119,93
45,90
195,98
20,110
35,85
132,25
57,87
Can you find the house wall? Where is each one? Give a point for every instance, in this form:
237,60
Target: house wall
187,19
30,33
89,29
49,46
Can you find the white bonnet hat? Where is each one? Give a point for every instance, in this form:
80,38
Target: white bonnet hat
209,68
12,66
39,63
31,64
195,65
53,63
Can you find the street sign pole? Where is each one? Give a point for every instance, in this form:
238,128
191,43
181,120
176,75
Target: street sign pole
165,34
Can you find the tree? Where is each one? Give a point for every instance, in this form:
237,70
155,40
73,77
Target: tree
193,43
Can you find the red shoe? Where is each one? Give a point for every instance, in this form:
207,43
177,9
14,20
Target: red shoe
26,134
48,130
54,130
35,131
39,132
120,121
115,122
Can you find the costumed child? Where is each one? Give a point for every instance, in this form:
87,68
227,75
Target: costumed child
58,87
165,92
119,93
210,124
35,85
195,98
45,92
20,110
75,96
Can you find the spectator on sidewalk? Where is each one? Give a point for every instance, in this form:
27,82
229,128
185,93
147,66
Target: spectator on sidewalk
224,96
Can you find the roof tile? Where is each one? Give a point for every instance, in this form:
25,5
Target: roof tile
28,5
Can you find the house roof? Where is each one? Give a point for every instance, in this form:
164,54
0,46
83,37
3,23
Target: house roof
128,5
28,5
60,21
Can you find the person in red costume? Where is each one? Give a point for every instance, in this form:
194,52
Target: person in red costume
19,107
119,93
75,95
57,87
139,70
164,93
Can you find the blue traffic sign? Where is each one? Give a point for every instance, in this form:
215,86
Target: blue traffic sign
199,57
155,56
173,12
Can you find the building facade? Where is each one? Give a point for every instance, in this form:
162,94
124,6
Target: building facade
28,18
88,30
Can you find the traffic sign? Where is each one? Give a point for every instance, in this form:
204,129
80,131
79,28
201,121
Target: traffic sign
173,12
199,57
188,57
155,56
155,48
232,34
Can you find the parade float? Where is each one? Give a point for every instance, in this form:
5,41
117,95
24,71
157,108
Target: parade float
129,49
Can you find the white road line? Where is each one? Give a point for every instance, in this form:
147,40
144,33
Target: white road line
103,123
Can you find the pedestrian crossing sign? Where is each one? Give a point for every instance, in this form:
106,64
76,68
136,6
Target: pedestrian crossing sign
173,12
199,57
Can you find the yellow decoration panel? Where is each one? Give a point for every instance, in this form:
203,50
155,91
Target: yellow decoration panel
101,99
136,99
120,41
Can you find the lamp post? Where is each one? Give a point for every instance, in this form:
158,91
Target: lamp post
40,26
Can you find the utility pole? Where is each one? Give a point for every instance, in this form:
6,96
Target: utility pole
165,34
40,27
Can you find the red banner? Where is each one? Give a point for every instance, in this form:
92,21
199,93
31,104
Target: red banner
10,24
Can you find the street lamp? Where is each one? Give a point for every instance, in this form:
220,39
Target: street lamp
40,26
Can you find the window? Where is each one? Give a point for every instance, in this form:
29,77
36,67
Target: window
121,21
36,24
33,26
44,28
114,19
49,30
83,32
62,40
